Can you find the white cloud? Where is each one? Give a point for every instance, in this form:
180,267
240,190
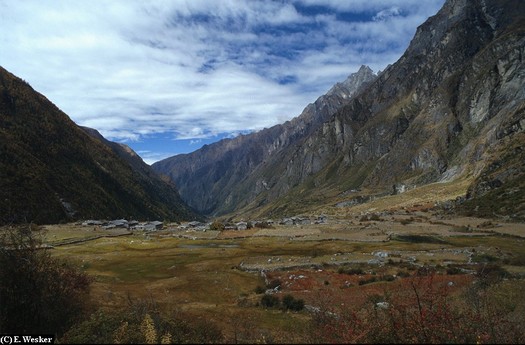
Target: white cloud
388,13
195,68
195,142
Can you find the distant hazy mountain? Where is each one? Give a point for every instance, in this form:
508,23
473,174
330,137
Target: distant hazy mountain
452,107
51,170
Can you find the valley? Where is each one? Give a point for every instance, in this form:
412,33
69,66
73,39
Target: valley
391,210
340,265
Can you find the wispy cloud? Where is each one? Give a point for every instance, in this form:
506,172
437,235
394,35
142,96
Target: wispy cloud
194,69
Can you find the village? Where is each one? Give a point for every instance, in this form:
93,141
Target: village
202,226
382,232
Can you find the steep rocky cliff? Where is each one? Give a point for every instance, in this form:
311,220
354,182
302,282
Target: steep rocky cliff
220,177
447,109
52,170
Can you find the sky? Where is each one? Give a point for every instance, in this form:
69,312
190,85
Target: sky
166,77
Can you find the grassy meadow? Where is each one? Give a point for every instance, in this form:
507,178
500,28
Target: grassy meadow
350,261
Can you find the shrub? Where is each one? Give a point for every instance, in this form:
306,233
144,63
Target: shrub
375,217
216,225
406,221
269,301
388,278
425,311
368,281
259,289
403,274
518,260
351,271
141,323
418,239
264,225
425,271
38,293
462,228
490,274
370,217
484,258
290,303
486,224
451,270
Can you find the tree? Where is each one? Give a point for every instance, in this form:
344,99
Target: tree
38,293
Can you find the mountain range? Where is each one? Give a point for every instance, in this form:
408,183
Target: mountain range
451,108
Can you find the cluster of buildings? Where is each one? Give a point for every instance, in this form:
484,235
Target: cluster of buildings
303,220
242,225
123,223
201,226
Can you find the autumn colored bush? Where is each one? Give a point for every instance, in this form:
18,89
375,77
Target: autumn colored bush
141,322
38,293
428,309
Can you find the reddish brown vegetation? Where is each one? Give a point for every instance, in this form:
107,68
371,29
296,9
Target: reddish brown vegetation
423,308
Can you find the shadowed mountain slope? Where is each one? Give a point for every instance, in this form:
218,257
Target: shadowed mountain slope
52,170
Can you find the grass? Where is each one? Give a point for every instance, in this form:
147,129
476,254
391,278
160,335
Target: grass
301,201
431,193
204,276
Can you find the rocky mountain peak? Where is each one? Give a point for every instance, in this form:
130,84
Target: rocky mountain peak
353,83
472,22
